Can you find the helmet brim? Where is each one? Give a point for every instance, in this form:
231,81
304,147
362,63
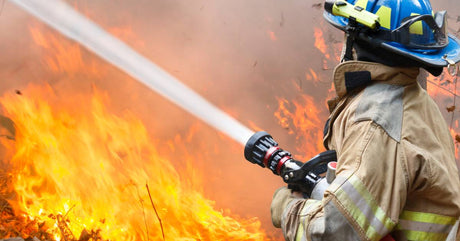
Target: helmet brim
433,58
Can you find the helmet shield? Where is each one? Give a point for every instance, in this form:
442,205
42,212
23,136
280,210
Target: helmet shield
422,31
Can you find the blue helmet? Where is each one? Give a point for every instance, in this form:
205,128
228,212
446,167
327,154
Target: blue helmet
408,28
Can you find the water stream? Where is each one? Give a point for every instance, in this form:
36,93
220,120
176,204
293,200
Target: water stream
72,24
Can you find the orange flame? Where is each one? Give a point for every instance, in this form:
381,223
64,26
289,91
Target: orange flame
334,48
320,44
78,168
302,119
311,76
91,167
67,57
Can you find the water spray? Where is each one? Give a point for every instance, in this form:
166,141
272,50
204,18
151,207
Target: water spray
72,24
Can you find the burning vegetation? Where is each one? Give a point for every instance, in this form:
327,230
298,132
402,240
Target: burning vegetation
81,174
72,170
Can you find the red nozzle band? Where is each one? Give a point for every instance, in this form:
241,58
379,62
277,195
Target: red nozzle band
269,153
281,163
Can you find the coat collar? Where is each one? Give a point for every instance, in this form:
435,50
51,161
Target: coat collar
376,72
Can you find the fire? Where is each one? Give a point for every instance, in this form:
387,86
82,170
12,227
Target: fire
66,57
320,44
311,76
79,171
302,118
86,169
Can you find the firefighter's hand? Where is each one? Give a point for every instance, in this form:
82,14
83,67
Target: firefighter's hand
281,199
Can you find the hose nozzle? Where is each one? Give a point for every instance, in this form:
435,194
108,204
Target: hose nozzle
263,150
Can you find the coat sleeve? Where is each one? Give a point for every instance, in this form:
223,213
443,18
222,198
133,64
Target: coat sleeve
365,199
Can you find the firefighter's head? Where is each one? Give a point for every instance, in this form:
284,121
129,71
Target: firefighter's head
396,33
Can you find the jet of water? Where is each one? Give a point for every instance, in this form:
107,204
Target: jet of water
72,24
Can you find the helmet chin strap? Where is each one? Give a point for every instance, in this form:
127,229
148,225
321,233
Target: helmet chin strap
351,31
345,55
348,49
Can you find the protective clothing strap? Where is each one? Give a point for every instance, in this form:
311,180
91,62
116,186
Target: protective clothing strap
372,220
424,226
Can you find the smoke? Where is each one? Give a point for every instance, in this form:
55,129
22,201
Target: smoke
240,55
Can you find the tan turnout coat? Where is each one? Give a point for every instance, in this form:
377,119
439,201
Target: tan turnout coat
396,171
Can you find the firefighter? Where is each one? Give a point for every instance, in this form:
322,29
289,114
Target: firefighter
397,176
